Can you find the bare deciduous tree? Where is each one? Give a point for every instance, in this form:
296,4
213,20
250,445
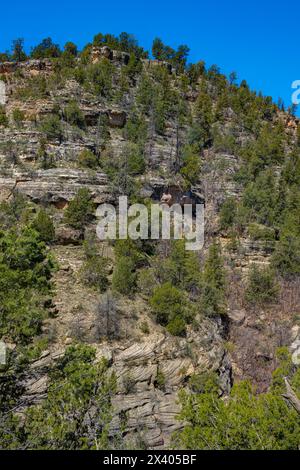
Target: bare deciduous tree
107,318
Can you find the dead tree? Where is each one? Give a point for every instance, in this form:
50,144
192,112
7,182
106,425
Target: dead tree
107,318
291,396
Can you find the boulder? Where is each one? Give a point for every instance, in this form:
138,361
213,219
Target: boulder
7,67
236,316
100,53
66,235
116,118
2,93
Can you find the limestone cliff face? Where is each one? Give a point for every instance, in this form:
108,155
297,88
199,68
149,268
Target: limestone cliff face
136,357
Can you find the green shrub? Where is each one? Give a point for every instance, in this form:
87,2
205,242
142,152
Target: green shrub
168,304
145,93
51,126
36,87
204,118
160,380
286,257
198,383
134,157
80,210
181,268
94,272
87,159
45,160
3,117
18,115
135,129
213,283
260,198
191,166
225,143
44,226
133,249
228,213
25,272
261,232
246,420
124,277
261,286
144,327
73,115
146,281
159,115
177,326
100,75
78,387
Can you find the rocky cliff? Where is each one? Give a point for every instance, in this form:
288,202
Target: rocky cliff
43,164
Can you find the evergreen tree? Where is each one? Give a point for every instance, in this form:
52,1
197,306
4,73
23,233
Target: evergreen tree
124,277
18,53
80,209
77,412
44,226
213,283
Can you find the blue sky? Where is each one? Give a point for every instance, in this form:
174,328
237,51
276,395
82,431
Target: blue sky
257,39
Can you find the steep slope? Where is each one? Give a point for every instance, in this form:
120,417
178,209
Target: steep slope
115,124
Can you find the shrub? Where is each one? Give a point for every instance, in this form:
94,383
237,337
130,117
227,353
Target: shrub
80,210
246,420
228,213
87,159
177,326
44,226
25,272
159,118
167,303
204,118
144,327
260,198
51,126
45,160
36,87
18,115
135,159
213,283
145,93
94,273
133,249
224,143
73,115
78,387
286,257
128,383
123,280
191,166
261,232
160,380
261,286
3,117
146,281
100,75
198,383
181,268
135,129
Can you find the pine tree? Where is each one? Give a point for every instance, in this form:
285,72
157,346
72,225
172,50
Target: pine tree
213,283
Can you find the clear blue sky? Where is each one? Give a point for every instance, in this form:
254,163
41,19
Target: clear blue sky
259,39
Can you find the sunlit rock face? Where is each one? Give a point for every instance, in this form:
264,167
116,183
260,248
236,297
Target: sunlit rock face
2,92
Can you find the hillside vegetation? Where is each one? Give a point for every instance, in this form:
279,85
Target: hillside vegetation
143,344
